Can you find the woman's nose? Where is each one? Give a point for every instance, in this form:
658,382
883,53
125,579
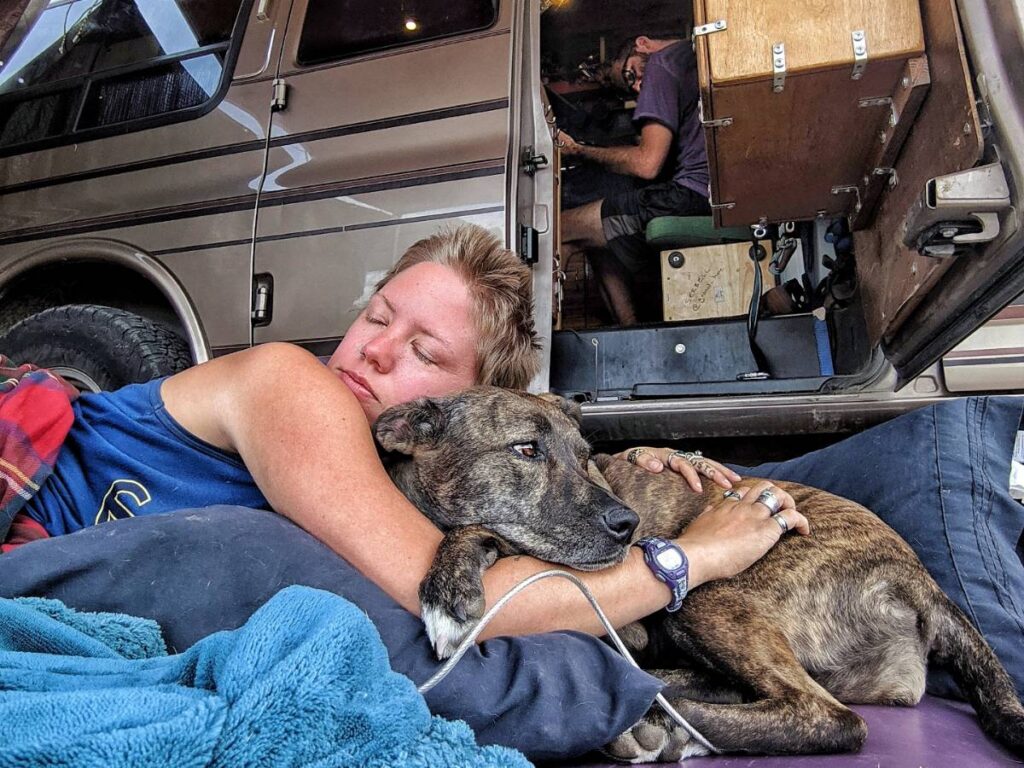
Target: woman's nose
379,352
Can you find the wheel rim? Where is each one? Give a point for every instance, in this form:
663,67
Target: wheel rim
78,378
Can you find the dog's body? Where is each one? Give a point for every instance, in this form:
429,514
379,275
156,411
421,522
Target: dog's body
758,663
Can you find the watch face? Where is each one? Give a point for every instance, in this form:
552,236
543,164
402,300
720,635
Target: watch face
669,559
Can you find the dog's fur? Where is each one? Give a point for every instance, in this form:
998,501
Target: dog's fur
758,663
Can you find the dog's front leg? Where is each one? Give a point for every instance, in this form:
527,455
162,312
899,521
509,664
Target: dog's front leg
452,594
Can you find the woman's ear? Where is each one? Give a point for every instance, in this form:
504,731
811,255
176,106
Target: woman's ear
410,426
569,407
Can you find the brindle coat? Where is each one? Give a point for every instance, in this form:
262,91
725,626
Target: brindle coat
759,662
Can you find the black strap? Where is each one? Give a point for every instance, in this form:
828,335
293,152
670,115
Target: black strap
757,254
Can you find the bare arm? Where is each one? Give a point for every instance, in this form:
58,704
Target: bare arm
643,160
305,440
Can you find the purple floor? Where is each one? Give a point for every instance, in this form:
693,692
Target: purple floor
936,734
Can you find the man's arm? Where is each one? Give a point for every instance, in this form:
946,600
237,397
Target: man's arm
643,160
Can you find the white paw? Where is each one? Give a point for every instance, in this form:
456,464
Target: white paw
653,740
444,631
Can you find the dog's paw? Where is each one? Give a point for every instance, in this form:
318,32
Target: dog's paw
445,630
655,739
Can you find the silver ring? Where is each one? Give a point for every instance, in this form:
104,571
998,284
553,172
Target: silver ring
782,522
731,494
634,454
770,500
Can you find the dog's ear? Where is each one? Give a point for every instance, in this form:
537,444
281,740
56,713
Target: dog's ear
406,427
569,407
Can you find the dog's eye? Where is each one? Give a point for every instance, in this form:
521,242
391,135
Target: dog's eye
529,450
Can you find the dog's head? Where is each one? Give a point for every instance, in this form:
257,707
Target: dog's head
515,464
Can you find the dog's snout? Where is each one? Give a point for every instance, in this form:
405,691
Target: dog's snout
620,522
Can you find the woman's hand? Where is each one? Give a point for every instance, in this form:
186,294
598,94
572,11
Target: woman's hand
691,465
729,537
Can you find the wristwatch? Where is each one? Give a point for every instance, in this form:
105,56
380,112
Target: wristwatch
669,564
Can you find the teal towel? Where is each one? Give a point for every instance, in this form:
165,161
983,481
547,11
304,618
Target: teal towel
306,682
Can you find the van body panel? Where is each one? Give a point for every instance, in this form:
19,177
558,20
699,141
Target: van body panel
356,172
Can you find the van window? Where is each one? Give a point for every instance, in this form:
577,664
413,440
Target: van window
88,64
334,30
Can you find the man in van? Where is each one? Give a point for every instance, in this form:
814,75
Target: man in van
664,174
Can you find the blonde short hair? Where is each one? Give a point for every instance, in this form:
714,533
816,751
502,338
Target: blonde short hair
502,289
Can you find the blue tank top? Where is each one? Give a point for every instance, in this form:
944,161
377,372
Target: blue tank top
125,456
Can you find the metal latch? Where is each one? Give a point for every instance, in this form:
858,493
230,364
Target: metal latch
778,67
860,54
532,162
280,98
957,210
529,244
721,122
262,298
707,29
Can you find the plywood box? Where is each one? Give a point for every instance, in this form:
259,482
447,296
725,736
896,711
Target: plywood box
799,130
711,282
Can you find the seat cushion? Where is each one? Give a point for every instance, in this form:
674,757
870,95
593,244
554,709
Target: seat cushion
665,232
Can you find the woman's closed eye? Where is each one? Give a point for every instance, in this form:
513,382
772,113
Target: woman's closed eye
424,356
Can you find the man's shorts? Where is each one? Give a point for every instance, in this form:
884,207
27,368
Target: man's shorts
625,213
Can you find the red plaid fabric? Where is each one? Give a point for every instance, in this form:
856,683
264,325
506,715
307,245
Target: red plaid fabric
35,416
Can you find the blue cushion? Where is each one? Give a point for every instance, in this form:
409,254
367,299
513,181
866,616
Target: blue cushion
198,571
940,477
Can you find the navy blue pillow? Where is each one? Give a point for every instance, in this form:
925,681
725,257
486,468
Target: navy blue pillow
940,477
198,571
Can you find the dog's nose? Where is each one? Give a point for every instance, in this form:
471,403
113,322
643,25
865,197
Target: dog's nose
620,522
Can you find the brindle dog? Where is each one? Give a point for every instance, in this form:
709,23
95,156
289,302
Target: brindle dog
760,662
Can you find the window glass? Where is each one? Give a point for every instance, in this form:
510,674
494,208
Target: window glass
91,63
337,28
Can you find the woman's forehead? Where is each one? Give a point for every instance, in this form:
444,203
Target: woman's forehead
433,296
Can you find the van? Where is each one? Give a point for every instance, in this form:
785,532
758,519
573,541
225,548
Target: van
183,179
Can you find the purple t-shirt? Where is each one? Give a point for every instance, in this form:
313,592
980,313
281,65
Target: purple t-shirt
669,95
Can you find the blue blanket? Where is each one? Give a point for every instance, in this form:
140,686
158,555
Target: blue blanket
305,682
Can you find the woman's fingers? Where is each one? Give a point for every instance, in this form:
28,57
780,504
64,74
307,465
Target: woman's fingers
794,521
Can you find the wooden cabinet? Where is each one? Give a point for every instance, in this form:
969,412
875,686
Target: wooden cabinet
806,103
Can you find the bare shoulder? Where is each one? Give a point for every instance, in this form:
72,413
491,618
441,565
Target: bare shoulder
209,400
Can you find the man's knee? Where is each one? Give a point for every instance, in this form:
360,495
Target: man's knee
582,225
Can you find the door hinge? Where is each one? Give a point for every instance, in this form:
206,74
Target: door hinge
262,299
280,98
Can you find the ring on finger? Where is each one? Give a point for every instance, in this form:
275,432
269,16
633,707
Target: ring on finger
634,454
770,500
689,456
778,518
732,495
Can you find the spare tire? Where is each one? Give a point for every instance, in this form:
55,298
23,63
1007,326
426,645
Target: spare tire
96,347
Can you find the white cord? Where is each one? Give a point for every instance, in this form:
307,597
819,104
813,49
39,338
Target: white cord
467,643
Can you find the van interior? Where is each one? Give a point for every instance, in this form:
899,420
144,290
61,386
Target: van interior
772,294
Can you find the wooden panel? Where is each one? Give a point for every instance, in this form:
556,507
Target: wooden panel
784,152
946,138
714,281
816,34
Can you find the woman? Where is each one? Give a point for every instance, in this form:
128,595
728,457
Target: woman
272,426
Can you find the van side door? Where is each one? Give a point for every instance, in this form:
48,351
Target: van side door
392,121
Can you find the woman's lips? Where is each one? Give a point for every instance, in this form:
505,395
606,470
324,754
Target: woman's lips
360,388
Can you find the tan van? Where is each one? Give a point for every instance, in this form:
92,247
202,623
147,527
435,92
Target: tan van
180,179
